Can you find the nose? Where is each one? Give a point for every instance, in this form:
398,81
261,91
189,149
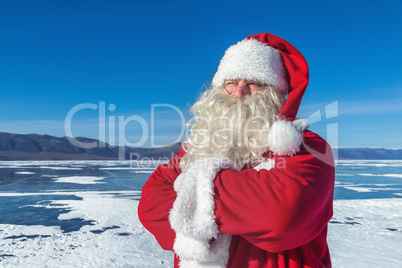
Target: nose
240,90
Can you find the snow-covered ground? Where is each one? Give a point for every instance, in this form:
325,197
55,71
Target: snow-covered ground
116,238
366,233
362,233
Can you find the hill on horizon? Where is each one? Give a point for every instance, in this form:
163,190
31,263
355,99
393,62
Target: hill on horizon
45,147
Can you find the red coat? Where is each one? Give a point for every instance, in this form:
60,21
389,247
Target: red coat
278,217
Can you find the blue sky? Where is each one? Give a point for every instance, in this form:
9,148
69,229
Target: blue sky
149,58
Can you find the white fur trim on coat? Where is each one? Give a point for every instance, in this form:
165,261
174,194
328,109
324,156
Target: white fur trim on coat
254,61
192,216
285,137
267,165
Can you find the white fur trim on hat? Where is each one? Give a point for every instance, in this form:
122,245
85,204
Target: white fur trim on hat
254,61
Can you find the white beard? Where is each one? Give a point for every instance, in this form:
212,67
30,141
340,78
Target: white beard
236,128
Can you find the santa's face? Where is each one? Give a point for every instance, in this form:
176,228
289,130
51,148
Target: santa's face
240,88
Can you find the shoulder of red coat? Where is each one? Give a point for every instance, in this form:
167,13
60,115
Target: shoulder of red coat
313,141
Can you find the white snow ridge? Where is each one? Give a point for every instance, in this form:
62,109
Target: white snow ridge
80,179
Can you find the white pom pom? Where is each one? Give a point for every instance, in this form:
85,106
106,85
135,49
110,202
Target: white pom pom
284,138
301,124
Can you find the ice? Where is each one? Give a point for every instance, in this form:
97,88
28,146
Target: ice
80,179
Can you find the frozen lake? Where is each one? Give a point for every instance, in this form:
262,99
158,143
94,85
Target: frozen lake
84,214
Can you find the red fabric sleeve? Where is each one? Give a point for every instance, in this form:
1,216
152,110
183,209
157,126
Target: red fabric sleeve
283,208
157,199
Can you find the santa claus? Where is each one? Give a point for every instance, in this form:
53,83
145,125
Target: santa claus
252,187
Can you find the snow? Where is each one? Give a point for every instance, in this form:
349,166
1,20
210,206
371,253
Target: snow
134,169
116,238
120,193
117,168
362,232
80,179
382,175
370,163
366,233
358,188
62,168
24,173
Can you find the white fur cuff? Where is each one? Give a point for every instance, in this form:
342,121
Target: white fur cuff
193,210
198,241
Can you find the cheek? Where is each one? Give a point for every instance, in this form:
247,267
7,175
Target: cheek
255,90
225,91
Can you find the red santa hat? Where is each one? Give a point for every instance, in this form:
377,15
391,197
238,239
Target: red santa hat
270,60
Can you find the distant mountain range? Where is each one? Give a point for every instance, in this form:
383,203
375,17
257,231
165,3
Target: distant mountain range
369,154
45,147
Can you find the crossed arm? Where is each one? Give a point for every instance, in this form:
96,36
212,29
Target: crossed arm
277,209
